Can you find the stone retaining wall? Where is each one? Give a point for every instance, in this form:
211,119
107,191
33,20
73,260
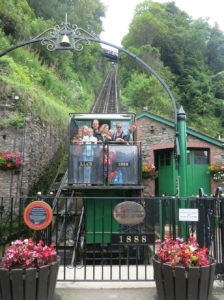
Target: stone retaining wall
36,142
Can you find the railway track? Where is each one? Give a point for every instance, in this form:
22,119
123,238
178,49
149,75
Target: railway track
107,100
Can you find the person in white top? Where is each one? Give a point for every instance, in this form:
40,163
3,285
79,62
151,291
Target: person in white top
89,138
85,131
88,154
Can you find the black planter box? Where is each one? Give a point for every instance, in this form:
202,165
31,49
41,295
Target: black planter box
179,284
30,284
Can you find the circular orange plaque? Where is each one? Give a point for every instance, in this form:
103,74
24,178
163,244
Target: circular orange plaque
38,215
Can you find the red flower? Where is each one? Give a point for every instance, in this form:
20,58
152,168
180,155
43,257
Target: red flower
175,252
9,165
25,254
111,176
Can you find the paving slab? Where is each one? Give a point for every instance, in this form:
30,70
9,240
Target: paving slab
105,294
116,291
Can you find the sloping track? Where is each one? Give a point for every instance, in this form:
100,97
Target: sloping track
106,102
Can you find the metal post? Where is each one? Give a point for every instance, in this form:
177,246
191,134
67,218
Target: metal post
182,167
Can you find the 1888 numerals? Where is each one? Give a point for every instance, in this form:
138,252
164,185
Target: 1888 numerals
133,239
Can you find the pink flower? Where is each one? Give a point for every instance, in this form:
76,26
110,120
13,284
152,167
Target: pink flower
26,254
176,246
175,252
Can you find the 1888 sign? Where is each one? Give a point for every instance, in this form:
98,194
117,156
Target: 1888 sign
132,238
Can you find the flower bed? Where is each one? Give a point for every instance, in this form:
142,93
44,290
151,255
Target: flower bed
10,161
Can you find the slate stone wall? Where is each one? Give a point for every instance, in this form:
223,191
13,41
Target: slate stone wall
36,142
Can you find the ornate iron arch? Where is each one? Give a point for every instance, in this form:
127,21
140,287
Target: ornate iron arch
53,43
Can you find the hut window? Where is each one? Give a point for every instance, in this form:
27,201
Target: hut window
201,157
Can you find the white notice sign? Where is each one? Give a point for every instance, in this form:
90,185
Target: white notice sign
188,214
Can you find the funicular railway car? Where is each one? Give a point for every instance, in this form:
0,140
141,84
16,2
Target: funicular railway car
106,175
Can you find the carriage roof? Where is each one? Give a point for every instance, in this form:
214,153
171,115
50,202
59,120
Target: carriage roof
102,116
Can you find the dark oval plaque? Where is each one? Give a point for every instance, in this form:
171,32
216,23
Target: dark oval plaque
38,215
129,213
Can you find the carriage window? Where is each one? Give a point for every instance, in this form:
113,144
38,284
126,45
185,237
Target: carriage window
201,157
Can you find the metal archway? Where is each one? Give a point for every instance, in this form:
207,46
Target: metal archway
51,46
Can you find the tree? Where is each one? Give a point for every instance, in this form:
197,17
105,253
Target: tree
186,53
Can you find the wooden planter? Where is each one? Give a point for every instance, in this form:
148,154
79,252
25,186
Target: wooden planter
178,284
30,284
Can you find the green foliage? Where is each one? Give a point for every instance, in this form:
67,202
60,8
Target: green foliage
16,120
4,44
59,164
6,228
187,54
86,14
147,91
218,85
45,80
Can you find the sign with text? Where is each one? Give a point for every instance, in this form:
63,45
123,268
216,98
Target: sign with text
38,215
132,238
188,214
123,164
129,213
86,164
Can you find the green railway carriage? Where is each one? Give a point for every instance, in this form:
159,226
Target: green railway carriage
103,171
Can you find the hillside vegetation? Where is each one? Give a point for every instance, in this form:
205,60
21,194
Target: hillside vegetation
187,54
49,84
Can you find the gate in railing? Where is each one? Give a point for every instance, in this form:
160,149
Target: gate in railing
96,242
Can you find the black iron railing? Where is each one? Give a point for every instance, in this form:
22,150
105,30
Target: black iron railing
110,239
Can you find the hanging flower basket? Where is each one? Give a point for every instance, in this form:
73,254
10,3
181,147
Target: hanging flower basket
11,161
29,271
217,172
149,171
183,271
146,175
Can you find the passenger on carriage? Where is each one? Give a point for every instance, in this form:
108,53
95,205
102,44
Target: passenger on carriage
78,138
84,131
88,153
111,134
131,133
89,138
96,132
106,133
120,136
